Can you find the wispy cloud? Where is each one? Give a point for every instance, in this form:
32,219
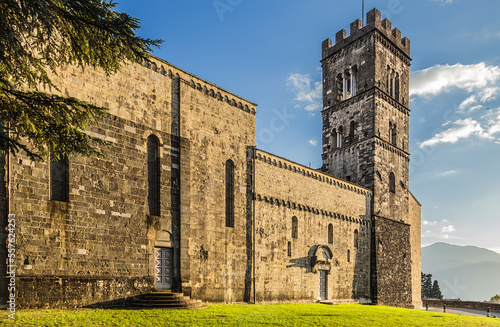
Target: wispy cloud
307,91
466,128
485,127
447,173
442,78
313,142
438,230
444,2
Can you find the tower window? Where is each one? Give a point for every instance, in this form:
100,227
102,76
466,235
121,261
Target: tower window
356,238
340,88
353,80
59,179
334,137
229,193
352,130
392,183
348,255
396,87
330,234
339,137
153,175
295,227
289,249
392,134
389,81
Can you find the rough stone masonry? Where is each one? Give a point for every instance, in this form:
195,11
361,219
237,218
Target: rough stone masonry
183,200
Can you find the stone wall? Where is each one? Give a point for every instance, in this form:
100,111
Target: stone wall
392,275
416,262
285,190
104,236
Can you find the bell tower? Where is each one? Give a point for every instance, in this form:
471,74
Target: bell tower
365,140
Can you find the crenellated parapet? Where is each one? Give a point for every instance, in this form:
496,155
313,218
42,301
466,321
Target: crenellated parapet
357,30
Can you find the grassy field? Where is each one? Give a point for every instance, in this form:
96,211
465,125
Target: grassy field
246,315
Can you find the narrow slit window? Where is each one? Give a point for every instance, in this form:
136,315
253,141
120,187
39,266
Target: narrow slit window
289,249
153,175
330,234
392,183
59,179
356,238
295,227
229,193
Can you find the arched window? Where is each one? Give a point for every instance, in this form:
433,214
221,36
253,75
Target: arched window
229,193
59,179
352,129
340,88
392,183
396,87
353,80
339,137
289,249
392,134
348,255
347,84
389,81
330,234
356,238
295,227
153,175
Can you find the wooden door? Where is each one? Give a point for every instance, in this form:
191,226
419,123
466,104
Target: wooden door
163,268
323,284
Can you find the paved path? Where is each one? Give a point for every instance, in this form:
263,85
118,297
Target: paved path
460,311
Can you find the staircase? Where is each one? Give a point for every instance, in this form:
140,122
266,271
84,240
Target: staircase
167,300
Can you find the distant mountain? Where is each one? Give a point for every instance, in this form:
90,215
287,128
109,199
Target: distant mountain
465,272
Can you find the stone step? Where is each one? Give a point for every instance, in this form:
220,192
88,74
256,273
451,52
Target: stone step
165,299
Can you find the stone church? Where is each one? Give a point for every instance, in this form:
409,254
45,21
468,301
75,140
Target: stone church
183,199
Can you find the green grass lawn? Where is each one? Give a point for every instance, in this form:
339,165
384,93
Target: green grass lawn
247,315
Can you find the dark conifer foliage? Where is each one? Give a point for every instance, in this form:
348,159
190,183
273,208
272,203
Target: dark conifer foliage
36,38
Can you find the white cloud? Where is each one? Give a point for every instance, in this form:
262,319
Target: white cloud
447,173
429,223
468,102
475,108
441,78
313,142
489,94
306,91
466,128
444,1
448,229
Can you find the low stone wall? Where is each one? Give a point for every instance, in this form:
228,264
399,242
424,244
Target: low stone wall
483,306
73,292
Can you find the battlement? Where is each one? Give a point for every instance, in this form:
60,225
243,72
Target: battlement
373,21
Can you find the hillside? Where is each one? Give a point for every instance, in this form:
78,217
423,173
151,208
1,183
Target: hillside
465,272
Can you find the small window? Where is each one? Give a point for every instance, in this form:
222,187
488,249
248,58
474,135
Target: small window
153,145
289,249
348,255
396,87
59,179
340,88
229,193
392,183
330,234
339,137
352,130
356,238
295,227
392,133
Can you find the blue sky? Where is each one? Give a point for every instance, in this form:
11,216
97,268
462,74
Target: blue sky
268,52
